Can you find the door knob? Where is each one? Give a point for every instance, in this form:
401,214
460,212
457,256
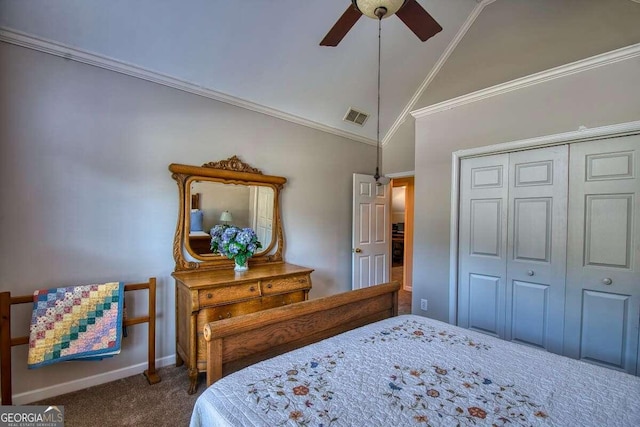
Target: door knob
607,281
530,273
357,250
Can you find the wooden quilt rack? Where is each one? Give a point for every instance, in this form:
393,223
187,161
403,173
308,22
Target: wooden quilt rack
6,341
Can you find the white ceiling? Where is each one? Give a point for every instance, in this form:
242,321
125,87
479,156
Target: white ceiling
265,54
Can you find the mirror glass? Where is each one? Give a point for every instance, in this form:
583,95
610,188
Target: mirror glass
225,192
215,203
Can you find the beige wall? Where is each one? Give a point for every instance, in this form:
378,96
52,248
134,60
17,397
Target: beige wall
87,196
516,38
399,153
597,97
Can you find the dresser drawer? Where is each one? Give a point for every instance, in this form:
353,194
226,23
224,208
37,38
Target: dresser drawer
218,296
212,314
285,284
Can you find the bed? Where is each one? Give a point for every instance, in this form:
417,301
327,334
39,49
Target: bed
397,371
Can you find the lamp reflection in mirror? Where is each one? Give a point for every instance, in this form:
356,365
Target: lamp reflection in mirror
226,217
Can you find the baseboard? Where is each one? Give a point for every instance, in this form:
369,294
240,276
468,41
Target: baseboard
82,383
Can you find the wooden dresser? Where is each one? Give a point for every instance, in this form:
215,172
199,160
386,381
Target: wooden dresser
200,244
204,296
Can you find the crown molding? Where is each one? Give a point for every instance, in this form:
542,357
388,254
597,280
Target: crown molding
9,35
603,59
436,68
581,135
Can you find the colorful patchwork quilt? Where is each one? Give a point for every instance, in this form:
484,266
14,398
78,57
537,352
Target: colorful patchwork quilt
76,322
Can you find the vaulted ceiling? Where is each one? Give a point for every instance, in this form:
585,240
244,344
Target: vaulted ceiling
265,55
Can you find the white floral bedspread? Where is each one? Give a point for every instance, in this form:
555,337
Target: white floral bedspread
411,370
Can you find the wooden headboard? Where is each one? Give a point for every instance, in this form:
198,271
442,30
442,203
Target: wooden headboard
238,342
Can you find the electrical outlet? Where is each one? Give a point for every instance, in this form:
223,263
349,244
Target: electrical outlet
423,304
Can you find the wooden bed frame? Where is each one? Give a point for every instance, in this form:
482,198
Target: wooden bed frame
238,342
6,341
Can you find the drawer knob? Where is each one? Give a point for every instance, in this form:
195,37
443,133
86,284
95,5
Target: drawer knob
209,296
530,273
252,289
269,285
607,281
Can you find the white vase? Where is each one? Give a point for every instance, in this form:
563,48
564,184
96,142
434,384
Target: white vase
239,267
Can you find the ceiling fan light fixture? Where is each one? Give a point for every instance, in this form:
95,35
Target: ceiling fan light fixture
368,7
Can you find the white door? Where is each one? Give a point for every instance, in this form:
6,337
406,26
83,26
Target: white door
483,244
603,260
264,215
512,246
371,243
536,247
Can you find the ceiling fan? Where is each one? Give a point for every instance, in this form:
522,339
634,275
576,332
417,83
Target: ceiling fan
409,11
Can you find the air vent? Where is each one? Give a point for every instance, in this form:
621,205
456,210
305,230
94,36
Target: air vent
356,117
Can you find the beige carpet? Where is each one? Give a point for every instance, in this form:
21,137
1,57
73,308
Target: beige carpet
131,402
404,298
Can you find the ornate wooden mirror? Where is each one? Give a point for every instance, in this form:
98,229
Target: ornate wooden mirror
225,192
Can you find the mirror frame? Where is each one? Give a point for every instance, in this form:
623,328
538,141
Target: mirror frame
230,171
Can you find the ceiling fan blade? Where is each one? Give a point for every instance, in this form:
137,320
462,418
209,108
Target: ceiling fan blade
418,20
342,27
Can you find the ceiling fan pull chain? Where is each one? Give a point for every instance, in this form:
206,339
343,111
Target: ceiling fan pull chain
378,115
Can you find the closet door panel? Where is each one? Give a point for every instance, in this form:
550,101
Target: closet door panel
607,239
530,312
603,276
482,244
532,229
537,233
486,228
484,294
604,341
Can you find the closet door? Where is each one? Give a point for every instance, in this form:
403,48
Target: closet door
536,247
483,244
603,266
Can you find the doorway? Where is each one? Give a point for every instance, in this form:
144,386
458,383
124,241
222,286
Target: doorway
402,198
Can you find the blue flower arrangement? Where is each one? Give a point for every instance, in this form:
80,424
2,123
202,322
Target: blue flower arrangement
235,243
